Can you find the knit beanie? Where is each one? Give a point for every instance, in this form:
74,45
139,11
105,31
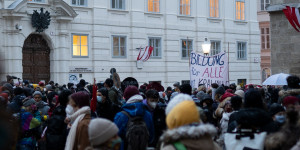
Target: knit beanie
176,100
200,95
81,99
220,90
41,83
184,113
130,91
101,130
48,87
29,102
275,108
37,93
240,93
290,100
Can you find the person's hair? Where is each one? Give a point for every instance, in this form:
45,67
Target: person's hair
186,89
214,85
109,82
236,102
251,86
104,92
152,94
63,97
18,91
253,99
293,81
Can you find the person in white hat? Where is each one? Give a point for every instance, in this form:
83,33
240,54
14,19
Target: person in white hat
103,135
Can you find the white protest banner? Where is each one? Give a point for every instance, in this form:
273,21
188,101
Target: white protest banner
207,70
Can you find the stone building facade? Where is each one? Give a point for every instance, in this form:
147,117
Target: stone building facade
285,39
86,38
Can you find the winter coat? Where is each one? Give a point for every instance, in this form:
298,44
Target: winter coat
82,136
289,92
224,126
254,117
219,111
107,110
56,135
43,107
16,104
136,108
192,137
113,96
30,124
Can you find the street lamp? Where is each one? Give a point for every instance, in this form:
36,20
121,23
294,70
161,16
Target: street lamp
206,47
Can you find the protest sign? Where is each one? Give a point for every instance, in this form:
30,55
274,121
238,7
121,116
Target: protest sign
207,70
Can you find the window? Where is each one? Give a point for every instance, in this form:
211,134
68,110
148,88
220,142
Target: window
242,82
266,73
80,45
153,6
215,47
185,82
185,7
264,4
186,48
156,44
265,38
79,2
240,9
241,50
119,46
118,4
214,8
39,1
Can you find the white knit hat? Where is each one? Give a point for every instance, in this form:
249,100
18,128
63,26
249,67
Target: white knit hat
176,100
240,93
101,130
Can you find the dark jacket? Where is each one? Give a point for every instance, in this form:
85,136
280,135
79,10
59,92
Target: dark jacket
16,104
113,96
107,110
57,129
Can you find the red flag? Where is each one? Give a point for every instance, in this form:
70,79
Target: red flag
288,13
94,99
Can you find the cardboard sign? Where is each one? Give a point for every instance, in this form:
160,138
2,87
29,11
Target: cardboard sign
207,70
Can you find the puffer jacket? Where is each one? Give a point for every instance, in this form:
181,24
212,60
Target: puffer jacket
192,137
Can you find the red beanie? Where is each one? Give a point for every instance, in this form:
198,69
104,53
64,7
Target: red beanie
81,99
290,100
41,83
130,91
226,95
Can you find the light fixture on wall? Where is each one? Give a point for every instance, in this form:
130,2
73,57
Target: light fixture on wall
206,47
18,27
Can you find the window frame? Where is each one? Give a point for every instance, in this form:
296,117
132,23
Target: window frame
88,47
264,36
77,3
214,8
125,44
184,11
34,1
237,50
219,41
236,11
181,49
159,3
264,4
160,50
123,4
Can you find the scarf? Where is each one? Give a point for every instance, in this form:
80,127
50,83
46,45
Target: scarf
72,134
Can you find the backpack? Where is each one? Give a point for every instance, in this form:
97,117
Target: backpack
137,134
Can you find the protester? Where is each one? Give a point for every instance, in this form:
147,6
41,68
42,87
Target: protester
185,89
133,119
42,106
176,87
103,135
278,114
186,131
105,108
112,93
78,135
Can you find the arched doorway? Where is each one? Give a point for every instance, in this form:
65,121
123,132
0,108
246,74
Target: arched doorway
36,59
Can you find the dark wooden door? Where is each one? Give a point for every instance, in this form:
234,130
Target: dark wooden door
36,59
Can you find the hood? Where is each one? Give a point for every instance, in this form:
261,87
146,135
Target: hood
188,132
135,98
135,109
291,92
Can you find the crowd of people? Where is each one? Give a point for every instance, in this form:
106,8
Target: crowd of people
103,117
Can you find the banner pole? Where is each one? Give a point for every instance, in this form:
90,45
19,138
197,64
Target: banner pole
228,64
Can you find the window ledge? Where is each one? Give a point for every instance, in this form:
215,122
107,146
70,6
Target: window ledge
185,16
214,20
118,10
80,6
155,57
242,59
240,22
153,13
119,57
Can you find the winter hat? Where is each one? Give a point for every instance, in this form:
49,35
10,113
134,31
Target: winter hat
200,95
41,83
220,90
206,97
226,95
240,93
107,130
130,91
48,87
238,87
178,117
37,93
290,100
176,100
28,102
275,108
81,99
